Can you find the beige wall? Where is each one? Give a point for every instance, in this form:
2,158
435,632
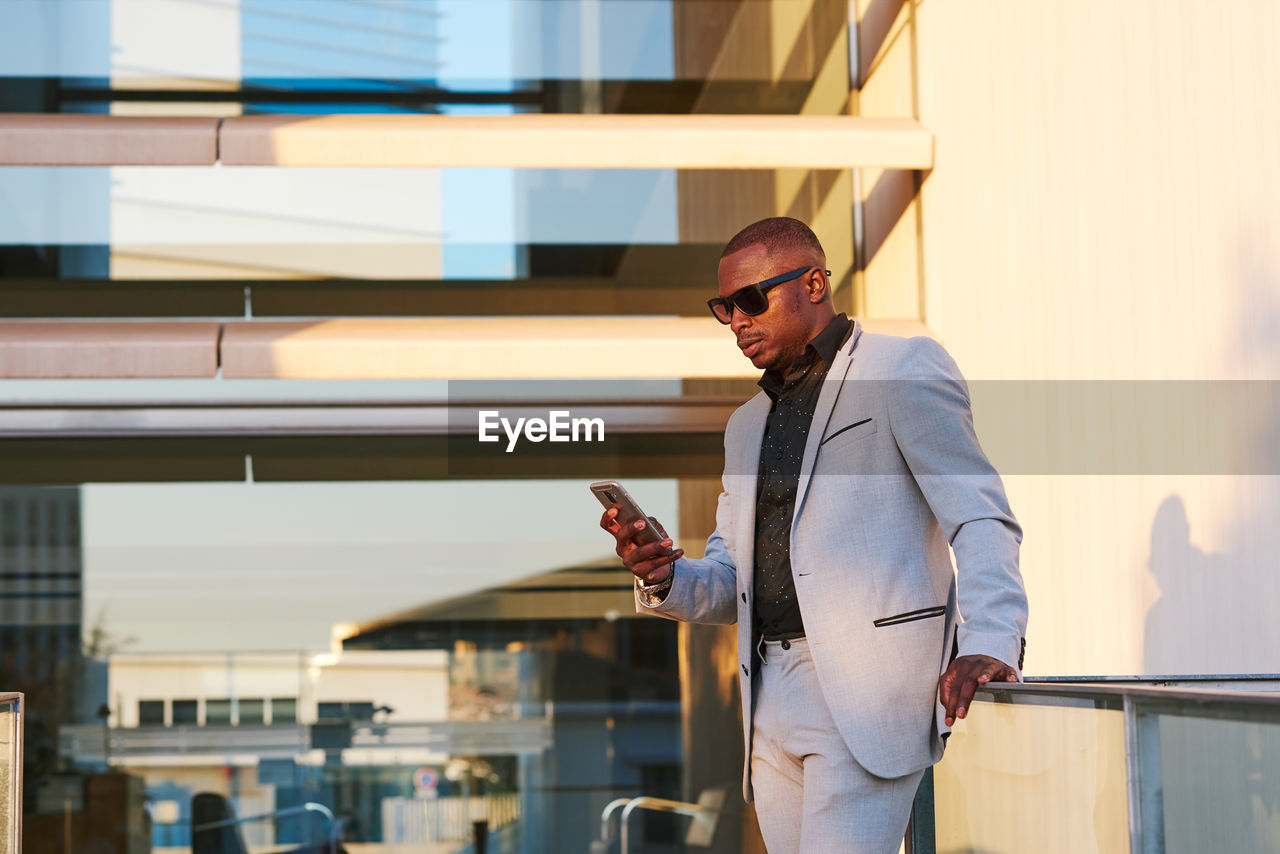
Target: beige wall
1105,204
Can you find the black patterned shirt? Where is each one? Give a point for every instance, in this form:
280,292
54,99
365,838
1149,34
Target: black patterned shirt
794,396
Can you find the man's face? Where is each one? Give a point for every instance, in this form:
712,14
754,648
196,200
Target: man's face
774,338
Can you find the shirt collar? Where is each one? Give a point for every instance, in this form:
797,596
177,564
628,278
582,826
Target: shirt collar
824,346
829,341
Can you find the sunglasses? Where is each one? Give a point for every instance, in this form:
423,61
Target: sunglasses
752,299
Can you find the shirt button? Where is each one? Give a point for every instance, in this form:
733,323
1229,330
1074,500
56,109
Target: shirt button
779,455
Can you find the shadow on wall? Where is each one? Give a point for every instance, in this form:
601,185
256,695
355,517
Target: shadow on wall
1202,596
1215,612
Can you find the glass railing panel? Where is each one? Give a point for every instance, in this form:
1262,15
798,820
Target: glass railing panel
1108,767
1219,786
1018,778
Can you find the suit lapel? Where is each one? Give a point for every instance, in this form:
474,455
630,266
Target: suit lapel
748,465
831,387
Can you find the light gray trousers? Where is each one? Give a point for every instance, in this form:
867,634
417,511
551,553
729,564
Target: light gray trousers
811,795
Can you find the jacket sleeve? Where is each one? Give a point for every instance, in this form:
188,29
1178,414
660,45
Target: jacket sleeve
704,591
932,423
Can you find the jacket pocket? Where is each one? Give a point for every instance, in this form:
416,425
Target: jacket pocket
910,616
866,431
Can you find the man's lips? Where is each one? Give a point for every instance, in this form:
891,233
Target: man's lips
747,347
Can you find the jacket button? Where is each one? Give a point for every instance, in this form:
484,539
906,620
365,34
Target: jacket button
744,597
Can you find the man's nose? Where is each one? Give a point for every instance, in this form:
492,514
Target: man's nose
739,321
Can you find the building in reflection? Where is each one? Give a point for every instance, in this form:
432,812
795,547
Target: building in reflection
565,700
41,619
269,731
606,682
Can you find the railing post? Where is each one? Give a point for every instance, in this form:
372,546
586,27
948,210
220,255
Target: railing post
1144,779
921,838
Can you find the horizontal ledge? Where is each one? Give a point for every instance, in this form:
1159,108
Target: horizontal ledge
94,349
561,141
147,420
494,348
36,139
526,140
441,348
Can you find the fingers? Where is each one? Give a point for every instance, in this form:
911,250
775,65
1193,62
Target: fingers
968,685
962,679
997,671
632,553
945,684
949,694
609,521
654,569
649,561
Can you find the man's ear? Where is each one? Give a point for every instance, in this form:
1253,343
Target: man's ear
819,287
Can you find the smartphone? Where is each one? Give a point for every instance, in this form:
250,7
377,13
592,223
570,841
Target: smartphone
610,492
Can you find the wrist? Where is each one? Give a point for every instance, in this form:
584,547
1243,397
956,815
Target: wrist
654,592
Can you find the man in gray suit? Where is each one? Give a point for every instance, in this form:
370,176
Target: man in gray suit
848,481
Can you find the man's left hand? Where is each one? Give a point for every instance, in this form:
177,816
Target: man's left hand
957,685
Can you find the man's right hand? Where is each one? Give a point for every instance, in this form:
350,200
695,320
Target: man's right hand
651,562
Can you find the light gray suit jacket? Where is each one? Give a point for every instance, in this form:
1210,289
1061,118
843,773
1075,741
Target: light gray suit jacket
892,473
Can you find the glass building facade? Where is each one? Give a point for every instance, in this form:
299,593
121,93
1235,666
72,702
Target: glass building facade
219,622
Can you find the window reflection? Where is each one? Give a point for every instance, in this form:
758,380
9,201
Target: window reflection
186,712
250,711
151,712
381,648
284,710
528,695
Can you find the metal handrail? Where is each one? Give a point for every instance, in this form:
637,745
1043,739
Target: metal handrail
1246,705
660,805
1160,678
607,815
309,806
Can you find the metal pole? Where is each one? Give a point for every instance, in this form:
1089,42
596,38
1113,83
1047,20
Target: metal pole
920,831
1132,775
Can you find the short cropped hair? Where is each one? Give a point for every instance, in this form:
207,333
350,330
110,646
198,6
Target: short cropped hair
777,233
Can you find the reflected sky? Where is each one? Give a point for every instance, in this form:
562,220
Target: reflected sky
462,44
478,218
198,204
240,567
